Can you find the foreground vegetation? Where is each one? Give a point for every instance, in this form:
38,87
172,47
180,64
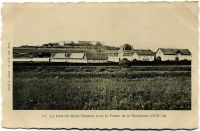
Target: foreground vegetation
57,67
102,88
103,93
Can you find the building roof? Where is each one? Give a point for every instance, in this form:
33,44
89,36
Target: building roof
97,56
59,55
144,52
76,56
111,51
167,51
127,53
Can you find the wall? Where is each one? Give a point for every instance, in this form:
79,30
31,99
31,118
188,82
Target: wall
184,57
57,60
159,53
143,57
113,58
97,61
130,58
40,59
168,57
77,60
22,59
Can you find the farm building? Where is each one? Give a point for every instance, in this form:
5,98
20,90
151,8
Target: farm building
32,59
39,57
165,54
58,57
77,55
113,56
143,55
80,57
126,52
77,58
35,57
97,58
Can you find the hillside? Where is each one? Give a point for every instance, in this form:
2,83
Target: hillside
64,46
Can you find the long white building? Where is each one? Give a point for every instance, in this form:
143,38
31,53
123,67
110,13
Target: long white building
165,54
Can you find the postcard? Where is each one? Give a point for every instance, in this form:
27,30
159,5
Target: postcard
129,65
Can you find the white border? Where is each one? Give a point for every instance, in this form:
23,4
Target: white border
75,1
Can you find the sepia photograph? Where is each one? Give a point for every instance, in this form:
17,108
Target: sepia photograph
103,58
100,65
88,75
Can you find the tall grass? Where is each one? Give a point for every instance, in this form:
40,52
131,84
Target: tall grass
25,68
102,93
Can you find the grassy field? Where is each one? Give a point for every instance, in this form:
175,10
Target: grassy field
102,88
98,69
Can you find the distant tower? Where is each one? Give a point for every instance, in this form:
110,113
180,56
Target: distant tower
124,49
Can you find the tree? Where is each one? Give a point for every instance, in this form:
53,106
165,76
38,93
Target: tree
124,63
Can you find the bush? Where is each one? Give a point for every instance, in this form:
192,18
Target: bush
124,63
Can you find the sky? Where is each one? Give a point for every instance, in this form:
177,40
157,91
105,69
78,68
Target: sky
143,25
